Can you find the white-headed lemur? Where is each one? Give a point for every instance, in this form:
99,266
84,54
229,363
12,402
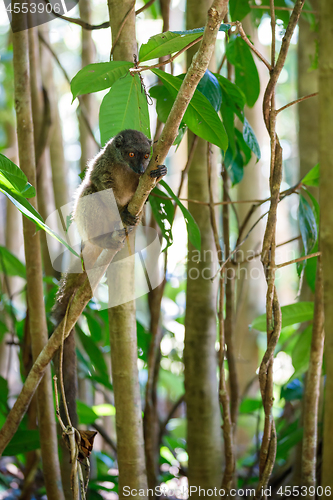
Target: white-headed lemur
118,166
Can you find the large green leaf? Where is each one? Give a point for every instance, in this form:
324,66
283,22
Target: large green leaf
22,442
170,42
238,9
307,225
11,265
291,314
13,183
124,107
98,76
246,74
200,116
13,179
312,177
192,227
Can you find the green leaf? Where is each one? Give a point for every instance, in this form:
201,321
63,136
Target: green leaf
243,147
286,444
86,414
232,95
228,122
28,211
291,314
164,101
3,393
22,442
170,42
144,339
200,116
11,265
312,177
163,211
249,405
234,165
246,74
307,225
301,353
94,353
293,390
124,107
210,88
98,76
191,226
250,139
12,179
238,9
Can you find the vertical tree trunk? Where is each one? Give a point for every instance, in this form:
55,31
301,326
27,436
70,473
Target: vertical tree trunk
88,101
200,358
37,318
131,459
326,204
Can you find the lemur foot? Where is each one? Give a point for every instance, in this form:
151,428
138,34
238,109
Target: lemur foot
128,219
159,172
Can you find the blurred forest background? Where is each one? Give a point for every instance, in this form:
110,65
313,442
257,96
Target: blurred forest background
200,414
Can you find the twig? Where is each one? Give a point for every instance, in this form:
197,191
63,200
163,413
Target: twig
296,101
91,27
146,6
289,9
171,413
241,31
305,257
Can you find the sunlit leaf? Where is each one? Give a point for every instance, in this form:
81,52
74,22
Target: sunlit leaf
98,76
170,42
124,107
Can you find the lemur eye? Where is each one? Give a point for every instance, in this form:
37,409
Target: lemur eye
147,156
131,155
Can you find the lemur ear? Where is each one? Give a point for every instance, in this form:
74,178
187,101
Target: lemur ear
118,140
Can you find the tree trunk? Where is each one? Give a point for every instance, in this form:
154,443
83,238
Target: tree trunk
200,358
122,318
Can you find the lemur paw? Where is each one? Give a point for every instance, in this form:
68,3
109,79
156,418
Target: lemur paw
128,219
160,171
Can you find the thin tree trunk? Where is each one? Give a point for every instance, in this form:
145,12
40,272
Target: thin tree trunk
122,318
200,358
326,204
37,318
88,145
312,388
